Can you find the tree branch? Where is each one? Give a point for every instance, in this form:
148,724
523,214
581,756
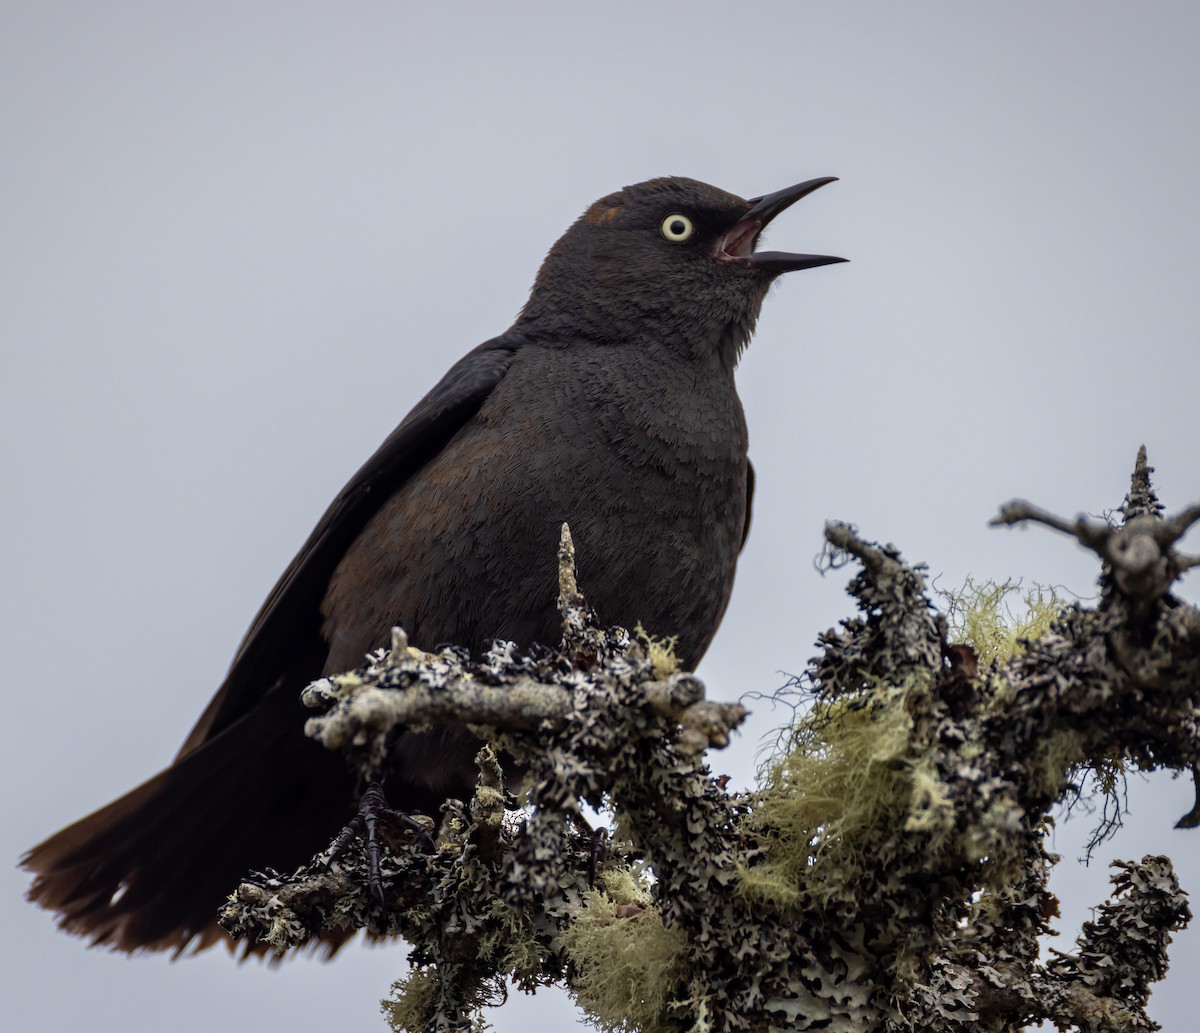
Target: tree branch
888,875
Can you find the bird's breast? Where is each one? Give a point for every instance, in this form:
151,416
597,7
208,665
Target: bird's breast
648,466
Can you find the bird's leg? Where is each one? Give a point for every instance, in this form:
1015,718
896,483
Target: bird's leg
599,850
599,844
373,807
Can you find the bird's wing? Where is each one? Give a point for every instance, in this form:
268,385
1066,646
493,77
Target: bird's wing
749,502
290,618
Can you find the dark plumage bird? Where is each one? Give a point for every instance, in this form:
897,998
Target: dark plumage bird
609,404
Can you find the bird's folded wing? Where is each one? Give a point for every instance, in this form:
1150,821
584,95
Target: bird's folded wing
291,612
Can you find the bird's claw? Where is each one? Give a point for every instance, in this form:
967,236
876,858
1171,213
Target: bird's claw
372,809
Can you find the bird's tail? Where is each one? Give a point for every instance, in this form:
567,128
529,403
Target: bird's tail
149,871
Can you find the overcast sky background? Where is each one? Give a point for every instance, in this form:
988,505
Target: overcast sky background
239,240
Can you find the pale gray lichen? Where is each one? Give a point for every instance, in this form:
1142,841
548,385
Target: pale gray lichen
889,875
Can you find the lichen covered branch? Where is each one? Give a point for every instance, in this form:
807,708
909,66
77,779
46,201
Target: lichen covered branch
890,872
1140,551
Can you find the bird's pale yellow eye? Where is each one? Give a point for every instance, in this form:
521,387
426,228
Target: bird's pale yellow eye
677,228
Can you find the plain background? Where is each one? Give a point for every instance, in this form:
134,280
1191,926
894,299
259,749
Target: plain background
239,240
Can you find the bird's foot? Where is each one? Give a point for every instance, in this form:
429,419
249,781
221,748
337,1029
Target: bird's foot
599,845
372,809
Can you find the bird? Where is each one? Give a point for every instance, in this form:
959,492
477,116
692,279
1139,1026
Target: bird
609,404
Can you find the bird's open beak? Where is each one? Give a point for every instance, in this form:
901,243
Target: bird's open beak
738,243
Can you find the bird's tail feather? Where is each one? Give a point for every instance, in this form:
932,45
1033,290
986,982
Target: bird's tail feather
149,870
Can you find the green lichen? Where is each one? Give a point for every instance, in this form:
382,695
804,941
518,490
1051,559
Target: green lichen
628,964
509,940
661,652
419,1001
413,1001
1057,754
995,617
849,782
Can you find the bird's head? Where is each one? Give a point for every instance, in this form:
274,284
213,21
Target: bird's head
671,261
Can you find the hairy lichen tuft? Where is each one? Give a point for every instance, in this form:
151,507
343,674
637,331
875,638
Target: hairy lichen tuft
661,652
985,616
413,1001
849,785
628,965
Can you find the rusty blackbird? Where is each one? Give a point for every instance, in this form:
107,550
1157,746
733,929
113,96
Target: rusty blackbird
609,404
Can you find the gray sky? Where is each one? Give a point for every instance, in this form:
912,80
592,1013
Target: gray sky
239,240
